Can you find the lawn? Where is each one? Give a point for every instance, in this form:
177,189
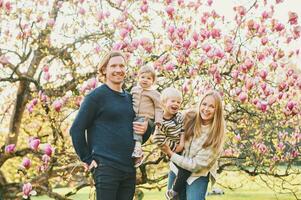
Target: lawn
243,188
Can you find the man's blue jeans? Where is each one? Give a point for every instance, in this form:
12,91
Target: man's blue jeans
196,191
113,184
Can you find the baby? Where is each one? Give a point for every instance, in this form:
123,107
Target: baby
146,104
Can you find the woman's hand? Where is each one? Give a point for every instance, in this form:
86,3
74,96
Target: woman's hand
166,149
179,148
140,127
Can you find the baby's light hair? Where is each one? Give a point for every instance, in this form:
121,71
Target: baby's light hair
148,69
169,93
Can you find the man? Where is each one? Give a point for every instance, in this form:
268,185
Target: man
107,116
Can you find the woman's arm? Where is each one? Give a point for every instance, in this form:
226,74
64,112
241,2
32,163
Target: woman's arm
203,159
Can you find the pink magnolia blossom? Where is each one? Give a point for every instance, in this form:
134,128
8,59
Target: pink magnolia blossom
281,146
123,33
235,74
34,143
237,137
243,96
249,63
97,49
4,60
48,150
78,101
228,47
8,6
282,86
170,11
118,46
46,76
195,36
216,33
46,68
144,8
273,66
241,10
291,104
181,31
26,163
263,86
57,104
217,77
92,83
51,22
42,96
294,154
262,105
279,27
297,137
265,15
209,2
219,53
228,152
186,44
170,67
10,148
293,18
262,148
30,108
249,84
34,101
100,15
171,30
238,91
260,56
82,11
263,74
206,47
272,100
264,40
185,88
212,69
205,34
296,32
28,191
45,158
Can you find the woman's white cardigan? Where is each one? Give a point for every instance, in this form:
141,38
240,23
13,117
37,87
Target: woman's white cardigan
196,159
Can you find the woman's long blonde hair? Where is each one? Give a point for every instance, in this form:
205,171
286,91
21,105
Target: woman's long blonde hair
193,122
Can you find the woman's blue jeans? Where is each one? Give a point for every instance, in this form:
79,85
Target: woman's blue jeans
196,191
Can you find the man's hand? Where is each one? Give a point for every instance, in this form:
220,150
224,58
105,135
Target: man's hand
140,127
91,166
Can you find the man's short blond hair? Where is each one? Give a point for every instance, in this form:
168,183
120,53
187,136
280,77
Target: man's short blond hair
170,92
147,69
103,65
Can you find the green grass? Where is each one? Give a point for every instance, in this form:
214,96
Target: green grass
243,188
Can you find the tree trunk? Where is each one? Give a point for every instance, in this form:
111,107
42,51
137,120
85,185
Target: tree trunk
19,107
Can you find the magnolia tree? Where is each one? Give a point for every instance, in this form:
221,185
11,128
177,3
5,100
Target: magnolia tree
49,52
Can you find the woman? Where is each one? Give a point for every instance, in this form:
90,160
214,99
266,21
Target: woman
204,136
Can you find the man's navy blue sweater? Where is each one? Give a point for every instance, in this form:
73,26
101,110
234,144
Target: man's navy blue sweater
107,116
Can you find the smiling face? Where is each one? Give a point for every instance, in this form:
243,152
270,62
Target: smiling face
146,80
115,71
171,106
207,109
